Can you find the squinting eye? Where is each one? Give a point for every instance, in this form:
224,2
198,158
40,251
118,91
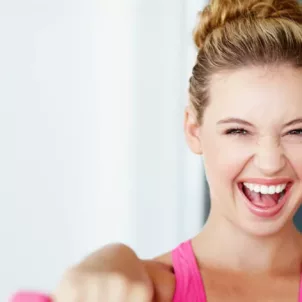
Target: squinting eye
296,132
236,131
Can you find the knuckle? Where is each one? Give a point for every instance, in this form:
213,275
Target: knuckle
141,292
115,287
117,278
95,292
118,281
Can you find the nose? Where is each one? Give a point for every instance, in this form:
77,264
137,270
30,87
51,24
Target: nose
269,157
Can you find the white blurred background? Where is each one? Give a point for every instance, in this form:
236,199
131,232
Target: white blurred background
91,126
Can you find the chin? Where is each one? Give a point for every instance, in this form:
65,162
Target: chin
264,228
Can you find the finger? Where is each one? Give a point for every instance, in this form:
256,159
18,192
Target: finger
117,288
69,289
94,293
139,293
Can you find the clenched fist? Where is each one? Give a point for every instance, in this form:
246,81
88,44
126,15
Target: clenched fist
89,286
113,275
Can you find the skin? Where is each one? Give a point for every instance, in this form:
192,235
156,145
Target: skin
262,257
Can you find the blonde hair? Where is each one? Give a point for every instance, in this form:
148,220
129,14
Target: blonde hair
232,34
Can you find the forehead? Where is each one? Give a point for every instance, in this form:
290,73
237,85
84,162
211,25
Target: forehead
255,92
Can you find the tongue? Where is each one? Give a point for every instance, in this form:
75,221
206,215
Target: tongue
262,200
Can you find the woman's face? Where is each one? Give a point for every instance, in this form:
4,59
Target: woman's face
252,134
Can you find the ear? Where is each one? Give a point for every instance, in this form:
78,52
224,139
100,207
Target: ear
192,130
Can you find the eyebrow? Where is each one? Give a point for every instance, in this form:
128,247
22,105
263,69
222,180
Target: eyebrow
293,122
234,120
243,122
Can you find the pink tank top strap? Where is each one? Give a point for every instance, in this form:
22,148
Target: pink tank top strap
189,283
300,290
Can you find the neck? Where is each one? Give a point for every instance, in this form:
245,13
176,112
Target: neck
237,250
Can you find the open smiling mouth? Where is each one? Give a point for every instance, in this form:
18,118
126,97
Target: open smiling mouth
265,201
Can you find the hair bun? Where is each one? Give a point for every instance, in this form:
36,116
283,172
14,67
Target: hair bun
220,12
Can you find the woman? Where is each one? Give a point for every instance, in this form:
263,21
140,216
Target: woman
245,119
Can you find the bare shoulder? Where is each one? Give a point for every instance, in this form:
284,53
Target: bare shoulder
165,259
160,270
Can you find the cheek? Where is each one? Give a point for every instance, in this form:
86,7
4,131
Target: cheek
294,156
224,159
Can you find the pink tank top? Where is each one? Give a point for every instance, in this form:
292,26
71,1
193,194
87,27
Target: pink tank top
189,283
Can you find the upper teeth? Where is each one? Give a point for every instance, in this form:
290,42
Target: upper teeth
265,189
